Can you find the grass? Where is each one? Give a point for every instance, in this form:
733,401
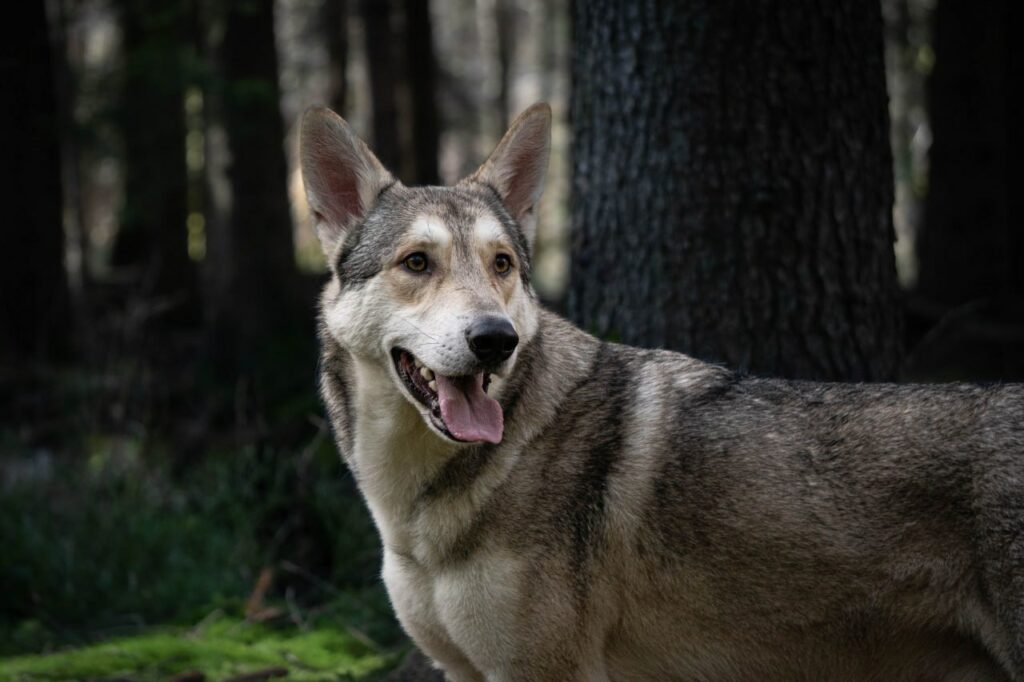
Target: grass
110,559
218,648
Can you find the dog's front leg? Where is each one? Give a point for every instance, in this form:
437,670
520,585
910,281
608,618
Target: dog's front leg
543,668
563,659
411,593
460,671
444,654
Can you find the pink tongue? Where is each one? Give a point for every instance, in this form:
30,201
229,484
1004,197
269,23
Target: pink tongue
468,412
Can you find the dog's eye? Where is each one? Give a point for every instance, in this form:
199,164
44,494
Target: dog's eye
502,264
415,262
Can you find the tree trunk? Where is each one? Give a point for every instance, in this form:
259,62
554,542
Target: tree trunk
421,74
969,298
335,26
380,38
733,184
257,280
76,250
505,17
34,301
152,236
971,247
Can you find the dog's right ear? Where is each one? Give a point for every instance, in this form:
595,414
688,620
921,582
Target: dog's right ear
341,175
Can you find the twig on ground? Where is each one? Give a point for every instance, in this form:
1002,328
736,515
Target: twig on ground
259,675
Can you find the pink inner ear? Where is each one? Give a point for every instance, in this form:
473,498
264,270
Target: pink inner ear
339,194
523,181
518,165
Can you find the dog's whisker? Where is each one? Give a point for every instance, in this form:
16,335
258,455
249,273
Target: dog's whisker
412,324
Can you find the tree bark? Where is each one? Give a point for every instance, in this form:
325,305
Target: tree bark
34,300
152,236
421,74
733,184
257,280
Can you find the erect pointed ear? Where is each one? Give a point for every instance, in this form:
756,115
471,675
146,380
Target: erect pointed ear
516,168
341,174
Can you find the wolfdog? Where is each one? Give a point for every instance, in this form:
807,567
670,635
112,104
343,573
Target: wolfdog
556,507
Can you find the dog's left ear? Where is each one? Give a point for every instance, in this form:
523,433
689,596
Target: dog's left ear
516,168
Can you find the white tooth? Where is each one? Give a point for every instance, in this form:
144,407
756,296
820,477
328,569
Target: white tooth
426,373
418,363
432,385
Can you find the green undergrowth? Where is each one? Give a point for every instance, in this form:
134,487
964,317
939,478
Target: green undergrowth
120,562
219,648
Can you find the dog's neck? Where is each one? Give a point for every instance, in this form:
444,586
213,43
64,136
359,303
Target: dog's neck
393,452
421,490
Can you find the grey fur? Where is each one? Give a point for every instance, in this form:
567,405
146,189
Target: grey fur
648,516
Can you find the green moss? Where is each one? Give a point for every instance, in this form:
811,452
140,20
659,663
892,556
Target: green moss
220,649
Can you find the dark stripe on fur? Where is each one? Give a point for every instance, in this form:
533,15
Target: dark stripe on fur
385,188
458,473
336,393
360,256
599,442
351,269
688,472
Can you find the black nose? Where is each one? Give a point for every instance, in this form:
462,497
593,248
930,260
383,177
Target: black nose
492,339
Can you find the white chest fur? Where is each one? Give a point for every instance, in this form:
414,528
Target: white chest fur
467,611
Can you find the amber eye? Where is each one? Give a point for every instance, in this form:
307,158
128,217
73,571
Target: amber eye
502,264
416,262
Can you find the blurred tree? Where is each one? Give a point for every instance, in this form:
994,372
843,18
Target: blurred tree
970,287
261,312
34,301
421,74
733,184
254,278
152,236
505,17
335,26
379,34
972,246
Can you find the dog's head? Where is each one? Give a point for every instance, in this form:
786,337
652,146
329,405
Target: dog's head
432,283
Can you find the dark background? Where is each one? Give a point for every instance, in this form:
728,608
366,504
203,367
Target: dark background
793,188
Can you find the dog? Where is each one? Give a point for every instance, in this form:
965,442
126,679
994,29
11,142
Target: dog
556,507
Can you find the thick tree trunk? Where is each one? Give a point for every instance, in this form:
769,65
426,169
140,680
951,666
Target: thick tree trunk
152,237
335,27
34,302
421,74
257,280
733,184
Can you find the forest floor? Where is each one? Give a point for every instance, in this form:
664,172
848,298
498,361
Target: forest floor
126,555
219,648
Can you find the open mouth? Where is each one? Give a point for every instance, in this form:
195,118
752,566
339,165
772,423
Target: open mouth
459,407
